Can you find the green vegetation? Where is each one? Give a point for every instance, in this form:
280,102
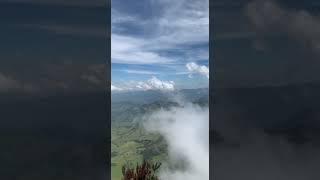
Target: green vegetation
131,144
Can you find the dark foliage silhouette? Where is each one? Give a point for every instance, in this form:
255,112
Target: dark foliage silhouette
145,171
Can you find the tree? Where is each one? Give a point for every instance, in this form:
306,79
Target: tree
145,171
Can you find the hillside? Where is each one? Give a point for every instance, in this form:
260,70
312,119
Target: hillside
131,143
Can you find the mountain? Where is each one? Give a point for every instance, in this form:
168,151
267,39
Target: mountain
145,97
128,106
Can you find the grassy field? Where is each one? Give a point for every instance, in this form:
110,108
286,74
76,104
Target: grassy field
131,144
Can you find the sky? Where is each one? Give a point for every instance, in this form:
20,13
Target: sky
159,44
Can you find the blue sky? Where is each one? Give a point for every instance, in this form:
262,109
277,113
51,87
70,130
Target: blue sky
157,39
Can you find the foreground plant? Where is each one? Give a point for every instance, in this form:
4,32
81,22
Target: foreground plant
145,171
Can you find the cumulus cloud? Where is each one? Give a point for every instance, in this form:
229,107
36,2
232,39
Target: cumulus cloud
155,83
151,84
186,130
195,68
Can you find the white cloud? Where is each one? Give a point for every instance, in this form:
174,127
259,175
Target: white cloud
182,23
162,85
195,68
118,18
131,50
186,130
151,84
132,71
115,88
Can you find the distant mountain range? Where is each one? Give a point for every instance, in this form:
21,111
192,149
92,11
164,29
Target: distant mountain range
145,97
128,106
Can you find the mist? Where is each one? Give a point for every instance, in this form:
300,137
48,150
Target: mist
186,131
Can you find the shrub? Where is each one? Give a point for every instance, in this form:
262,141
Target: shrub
145,171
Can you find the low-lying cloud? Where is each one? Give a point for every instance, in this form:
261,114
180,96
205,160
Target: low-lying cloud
151,84
186,130
115,88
